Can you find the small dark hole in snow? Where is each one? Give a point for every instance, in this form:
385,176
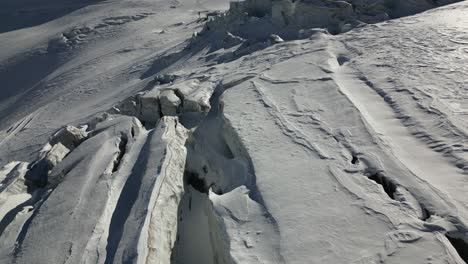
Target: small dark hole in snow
342,60
354,160
197,183
388,186
132,132
122,147
426,214
460,246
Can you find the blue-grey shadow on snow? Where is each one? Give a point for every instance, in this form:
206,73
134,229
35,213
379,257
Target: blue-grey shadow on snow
18,14
129,214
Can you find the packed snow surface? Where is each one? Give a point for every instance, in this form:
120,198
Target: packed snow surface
257,131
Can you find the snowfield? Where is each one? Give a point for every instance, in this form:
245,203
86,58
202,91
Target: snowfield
254,131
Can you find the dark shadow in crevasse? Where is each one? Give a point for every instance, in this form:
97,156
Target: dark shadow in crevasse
460,246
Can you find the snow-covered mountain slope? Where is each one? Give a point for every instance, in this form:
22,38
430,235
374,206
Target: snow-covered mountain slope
134,132
83,62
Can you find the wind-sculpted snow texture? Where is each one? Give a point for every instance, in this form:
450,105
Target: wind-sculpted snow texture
269,132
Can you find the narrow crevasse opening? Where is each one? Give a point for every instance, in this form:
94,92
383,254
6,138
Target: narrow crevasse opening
200,236
400,194
218,173
460,245
126,200
194,181
426,214
388,186
122,149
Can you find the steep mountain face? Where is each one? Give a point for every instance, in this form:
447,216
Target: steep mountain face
243,132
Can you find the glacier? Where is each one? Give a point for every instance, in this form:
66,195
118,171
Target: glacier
256,131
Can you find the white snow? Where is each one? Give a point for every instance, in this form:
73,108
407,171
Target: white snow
277,132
